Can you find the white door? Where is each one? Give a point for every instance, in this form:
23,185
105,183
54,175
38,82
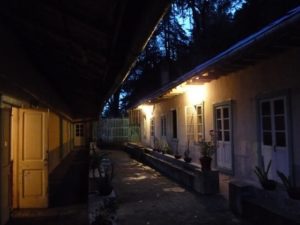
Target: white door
33,159
274,135
79,134
224,137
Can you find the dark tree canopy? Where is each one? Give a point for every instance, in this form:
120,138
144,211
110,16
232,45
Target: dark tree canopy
210,27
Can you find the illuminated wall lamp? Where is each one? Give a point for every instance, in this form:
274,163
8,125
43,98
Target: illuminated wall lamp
147,110
195,94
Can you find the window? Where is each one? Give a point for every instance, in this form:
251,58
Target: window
174,123
163,126
273,122
152,128
200,122
223,123
189,117
79,131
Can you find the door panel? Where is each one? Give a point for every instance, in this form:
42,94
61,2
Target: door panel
33,159
80,134
274,135
224,136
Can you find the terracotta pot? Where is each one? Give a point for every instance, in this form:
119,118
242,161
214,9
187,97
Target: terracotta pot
205,162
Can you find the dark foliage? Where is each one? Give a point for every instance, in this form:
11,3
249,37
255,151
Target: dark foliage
173,50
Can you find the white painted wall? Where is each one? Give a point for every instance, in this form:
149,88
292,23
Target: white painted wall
281,72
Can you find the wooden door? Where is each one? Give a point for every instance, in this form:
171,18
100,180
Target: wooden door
33,159
80,134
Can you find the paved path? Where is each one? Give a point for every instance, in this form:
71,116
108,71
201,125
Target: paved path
68,195
144,196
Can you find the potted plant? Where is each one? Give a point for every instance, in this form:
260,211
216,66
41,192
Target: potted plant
262,175
292,190
101,169
165,147
207,149
187,157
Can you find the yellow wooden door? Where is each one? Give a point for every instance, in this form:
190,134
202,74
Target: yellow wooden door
33,159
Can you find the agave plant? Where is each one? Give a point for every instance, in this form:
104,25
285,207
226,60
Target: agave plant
262,175
293,191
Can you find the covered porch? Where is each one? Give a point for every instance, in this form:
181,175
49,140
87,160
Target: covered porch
59,62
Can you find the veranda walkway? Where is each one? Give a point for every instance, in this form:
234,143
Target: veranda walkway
67,196
144,196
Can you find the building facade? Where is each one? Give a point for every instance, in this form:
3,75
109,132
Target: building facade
253,109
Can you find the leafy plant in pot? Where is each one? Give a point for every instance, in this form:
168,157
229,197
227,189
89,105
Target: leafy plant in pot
292,190
187,157
165,148
262,174
207,149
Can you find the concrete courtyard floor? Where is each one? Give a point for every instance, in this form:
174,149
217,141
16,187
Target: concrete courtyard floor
67,198
144,196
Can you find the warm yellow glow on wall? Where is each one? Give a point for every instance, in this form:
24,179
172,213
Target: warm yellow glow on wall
195,93
147,110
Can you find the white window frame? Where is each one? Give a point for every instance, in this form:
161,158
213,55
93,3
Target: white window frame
200,126
189,123
272,116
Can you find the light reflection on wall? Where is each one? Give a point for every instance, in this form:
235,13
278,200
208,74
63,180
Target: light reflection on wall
195,93
147,110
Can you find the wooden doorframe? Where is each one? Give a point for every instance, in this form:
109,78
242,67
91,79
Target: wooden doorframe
5,165
14,151
16,140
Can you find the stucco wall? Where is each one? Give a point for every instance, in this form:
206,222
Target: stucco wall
66,137
278,73
60,139
54,141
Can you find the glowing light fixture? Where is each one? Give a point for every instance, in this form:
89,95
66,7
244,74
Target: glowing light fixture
195,94
205,74
147,110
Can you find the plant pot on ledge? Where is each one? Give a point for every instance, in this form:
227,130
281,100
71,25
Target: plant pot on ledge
292,190
205,162
207,149
187,159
